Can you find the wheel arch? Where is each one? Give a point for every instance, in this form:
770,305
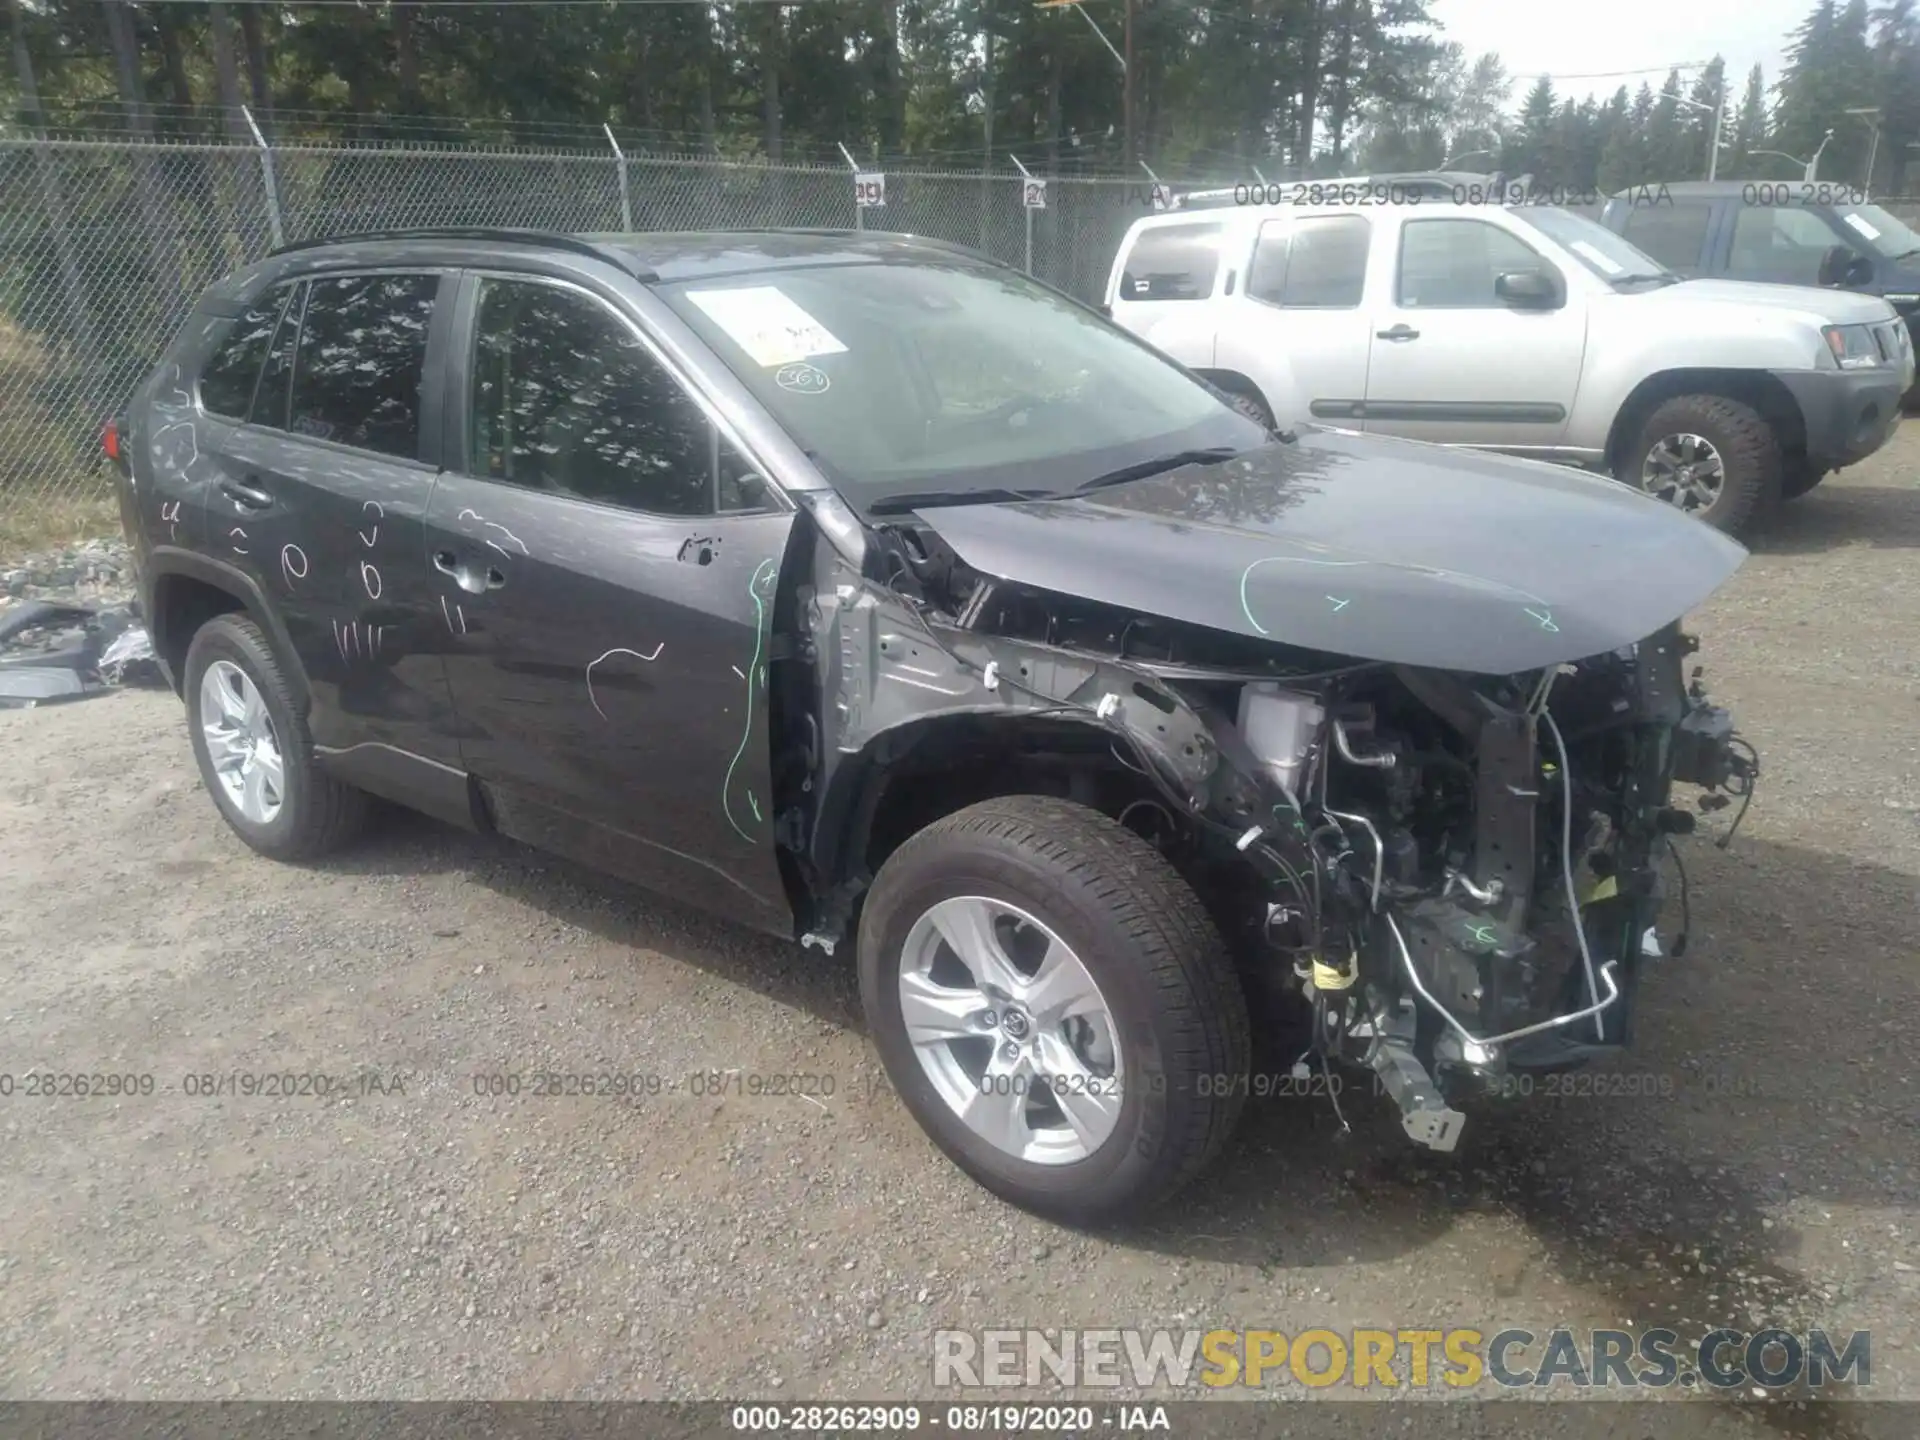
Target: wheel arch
1756,388
911,774
184,590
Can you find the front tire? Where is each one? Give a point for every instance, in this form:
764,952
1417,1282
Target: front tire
1055,1007
256,758
1711,456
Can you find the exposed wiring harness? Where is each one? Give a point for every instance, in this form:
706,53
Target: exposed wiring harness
1748,778
1109,718
1686,901
1566,871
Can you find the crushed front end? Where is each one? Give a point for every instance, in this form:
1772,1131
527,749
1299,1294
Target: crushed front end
1458,866
1467,873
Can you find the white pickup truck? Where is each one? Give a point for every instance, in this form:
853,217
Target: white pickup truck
1522,328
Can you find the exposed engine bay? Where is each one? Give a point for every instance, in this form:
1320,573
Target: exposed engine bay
1453,875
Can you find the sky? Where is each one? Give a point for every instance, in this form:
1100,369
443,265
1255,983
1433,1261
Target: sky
1579,38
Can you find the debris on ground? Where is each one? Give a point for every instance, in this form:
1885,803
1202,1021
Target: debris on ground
52,652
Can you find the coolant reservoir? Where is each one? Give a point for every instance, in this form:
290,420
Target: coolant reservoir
1279,726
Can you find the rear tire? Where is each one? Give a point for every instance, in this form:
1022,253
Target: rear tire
1711,456
300,812
1163,992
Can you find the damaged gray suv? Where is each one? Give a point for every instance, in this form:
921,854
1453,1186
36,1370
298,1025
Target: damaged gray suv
862,589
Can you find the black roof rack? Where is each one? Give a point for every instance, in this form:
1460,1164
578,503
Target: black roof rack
552,239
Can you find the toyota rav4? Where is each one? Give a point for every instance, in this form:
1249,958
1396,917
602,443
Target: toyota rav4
868,592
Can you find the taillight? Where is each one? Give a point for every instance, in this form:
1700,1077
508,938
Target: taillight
110,440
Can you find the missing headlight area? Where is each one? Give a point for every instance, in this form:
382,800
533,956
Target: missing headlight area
1445,877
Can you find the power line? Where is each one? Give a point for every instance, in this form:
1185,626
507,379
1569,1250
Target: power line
1614,74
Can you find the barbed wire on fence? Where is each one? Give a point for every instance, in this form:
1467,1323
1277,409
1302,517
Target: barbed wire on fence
104,246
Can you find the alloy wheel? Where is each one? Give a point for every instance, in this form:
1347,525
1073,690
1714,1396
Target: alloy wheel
241,744
1686,471
1011,1030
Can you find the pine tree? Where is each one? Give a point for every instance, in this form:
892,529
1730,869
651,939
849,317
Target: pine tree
1749,131
1696,123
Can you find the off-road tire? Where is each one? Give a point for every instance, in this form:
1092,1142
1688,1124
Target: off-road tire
1179,1012
317,813
1755,466
1800,477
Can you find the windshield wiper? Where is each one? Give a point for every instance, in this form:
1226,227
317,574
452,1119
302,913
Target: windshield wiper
1213,455
1906,254
1664,277
933,499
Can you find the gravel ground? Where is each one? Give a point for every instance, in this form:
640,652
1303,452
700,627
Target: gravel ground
431,1242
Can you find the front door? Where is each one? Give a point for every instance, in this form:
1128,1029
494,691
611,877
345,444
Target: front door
1452,362
1297,328
607,562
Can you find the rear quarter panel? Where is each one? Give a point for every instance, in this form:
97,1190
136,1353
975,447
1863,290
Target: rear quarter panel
163,495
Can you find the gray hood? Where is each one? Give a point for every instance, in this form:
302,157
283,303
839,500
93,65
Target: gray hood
1379,549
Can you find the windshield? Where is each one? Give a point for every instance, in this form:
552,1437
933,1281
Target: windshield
1887,235
950,377
1590,242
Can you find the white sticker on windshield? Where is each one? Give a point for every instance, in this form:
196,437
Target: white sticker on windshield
1862,226
767,324
1588,251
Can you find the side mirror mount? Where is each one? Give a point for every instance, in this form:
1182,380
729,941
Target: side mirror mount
1527,289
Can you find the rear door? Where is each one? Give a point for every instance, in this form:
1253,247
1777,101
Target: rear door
1298,327
1453,363
606,564
192,425
330,486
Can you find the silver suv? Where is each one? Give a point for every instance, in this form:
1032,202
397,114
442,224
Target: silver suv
1522,328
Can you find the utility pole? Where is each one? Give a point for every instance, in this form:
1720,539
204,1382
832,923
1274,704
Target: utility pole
1713,142
1126,65
1870,114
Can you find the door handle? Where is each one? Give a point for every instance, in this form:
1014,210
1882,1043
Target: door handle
474,582
247,497
1398,333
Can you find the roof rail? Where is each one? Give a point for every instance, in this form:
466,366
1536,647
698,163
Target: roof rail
552,239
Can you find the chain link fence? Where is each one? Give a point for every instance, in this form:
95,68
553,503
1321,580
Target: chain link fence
105,246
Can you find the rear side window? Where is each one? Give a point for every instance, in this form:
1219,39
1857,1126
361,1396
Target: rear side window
227,382
1672,234
1171,262
362,355
1317,262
